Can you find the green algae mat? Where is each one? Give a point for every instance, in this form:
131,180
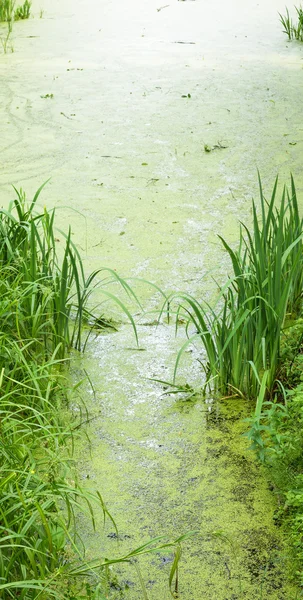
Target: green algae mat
169,466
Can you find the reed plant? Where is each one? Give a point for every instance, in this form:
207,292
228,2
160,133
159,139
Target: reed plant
23,11
241,333
293,30
42,303
7,10
287,24
298,28
50,294
39,492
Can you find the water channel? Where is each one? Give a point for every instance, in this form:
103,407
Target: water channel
117,102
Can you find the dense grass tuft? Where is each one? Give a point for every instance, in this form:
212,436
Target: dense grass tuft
293,30
47,296
241,333
43,305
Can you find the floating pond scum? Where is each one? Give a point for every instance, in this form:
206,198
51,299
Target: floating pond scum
170,466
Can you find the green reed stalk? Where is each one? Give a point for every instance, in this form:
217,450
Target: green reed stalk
293,30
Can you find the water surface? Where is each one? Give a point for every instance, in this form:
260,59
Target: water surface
136,90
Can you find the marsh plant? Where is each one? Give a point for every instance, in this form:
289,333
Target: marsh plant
294,30
23,11
39,492
51,293
241,333
42,305
276,437
7,10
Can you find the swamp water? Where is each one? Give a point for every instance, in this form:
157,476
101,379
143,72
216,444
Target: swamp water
170,466
116,101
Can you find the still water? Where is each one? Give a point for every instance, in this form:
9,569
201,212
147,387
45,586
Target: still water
151,120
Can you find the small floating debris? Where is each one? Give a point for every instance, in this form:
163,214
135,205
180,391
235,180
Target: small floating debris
152,181
162,7
218,146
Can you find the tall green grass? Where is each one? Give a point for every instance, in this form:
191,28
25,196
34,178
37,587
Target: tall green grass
241,333
23,11
42,306
6,16
7,10
293,30
50,300
39,500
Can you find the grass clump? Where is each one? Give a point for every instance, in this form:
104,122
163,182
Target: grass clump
241,333
43,306
253,341
293,30
9,13
40,495
23,11
49,295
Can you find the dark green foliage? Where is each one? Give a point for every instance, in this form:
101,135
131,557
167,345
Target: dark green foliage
279,443
291,368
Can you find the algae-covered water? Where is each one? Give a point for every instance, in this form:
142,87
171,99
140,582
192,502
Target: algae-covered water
170,466
116,102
